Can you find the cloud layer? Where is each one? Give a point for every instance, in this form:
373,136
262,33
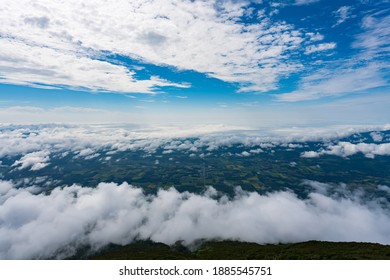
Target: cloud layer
36,224
56,43
54,225
33,147
345,149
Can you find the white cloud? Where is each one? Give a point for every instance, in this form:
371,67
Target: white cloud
310,154
54,225
360,73
5,187
345,149
305,2
34,65
336,82
256,151
35,160
384,188
26,142
342,14
374,40
376,136
33,142
320,48
315,36
63,43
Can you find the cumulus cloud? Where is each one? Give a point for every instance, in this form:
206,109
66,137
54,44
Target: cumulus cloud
35,160
376,136
315,36
36,65
86,140
5,187
384,188
310,154
59,44
32,142
345,149
54,225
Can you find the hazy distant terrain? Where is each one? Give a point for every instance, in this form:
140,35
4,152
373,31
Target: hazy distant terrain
260,163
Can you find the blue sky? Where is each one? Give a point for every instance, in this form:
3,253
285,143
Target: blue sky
298,62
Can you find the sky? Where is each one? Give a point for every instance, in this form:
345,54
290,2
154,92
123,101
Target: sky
244,63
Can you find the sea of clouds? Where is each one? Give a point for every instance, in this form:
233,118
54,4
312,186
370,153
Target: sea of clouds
53,225
36,144
36,224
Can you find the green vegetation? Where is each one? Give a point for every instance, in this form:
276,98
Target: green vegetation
231,250
224,169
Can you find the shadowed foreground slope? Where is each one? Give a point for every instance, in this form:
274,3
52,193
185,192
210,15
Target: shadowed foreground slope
311,250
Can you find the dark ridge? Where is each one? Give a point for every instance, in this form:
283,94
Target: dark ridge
235,250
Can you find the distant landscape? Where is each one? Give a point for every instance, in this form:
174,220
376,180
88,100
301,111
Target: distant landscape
107,187
356,162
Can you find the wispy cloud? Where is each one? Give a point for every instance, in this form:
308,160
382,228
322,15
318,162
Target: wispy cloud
320,48
374,40
359,73
305,2
64,47
336,82
342,15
